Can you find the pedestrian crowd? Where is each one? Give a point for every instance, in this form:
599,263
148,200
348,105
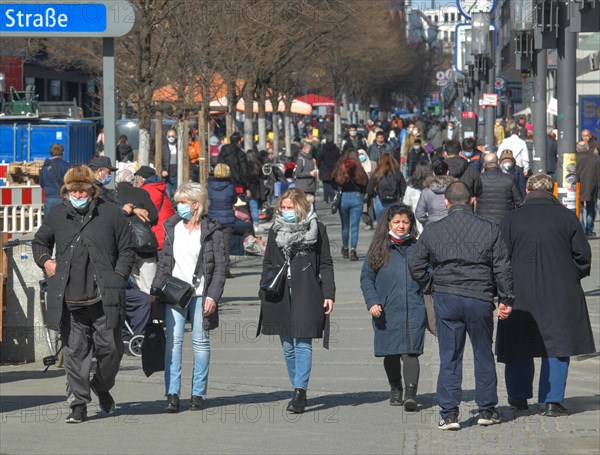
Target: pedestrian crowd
459,233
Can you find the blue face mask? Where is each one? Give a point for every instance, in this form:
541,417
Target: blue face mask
288,215
79,203
184,211
107,179
468,154
362,158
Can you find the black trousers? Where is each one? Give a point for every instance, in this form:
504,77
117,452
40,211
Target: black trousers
84,335
396,364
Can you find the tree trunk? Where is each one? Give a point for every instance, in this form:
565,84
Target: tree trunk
248,119
180,148
276,132
157,144
186,151
203,133
262,119
230,123
144,135
287,124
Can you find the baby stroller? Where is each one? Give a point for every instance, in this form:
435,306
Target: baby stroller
138,315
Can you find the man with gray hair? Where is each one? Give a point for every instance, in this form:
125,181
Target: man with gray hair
144,266
588,176
499,194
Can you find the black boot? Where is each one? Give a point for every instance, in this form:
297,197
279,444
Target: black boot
353,255
410,398
396,395
298,402
345,253
172,403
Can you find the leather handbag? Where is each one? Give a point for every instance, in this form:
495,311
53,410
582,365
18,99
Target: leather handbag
175,291
337,201
144,238
273,284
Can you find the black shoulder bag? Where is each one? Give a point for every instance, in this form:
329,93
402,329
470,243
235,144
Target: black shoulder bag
273,284
178,292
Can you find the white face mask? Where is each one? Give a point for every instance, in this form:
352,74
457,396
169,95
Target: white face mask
172,140
352,133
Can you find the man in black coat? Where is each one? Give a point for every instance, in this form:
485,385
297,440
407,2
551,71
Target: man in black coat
103,169
549,256
233,156
144,267
588,176
499,194
86,286
463,261
551,153
460,169
328,156
169,162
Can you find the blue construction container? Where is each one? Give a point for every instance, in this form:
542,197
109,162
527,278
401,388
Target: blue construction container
28,140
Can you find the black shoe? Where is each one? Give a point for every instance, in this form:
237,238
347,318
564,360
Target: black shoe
556,410
353,255
520,404
345,253
197,403
396,395
488,417
172,403
78,414
410,398
298,402
450,422
107,404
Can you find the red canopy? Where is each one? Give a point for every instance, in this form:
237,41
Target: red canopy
317,100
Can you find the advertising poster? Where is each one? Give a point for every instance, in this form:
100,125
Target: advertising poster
568,195
589,114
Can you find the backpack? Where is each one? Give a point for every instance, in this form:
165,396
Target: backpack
387,188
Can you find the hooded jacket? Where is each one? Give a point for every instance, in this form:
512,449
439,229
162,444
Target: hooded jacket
460,169
157,189
51,177
431,205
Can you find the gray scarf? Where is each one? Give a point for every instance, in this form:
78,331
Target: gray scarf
296,238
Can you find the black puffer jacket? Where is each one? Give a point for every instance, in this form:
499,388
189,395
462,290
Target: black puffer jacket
111,247
499,195
460,169
326,160
213,269
467,255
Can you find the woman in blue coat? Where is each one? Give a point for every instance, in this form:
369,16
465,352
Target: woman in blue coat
395,302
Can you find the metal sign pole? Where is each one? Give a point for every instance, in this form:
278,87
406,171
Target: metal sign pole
108,97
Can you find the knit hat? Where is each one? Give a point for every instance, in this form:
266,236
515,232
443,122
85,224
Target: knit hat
540,182
507,154
80,178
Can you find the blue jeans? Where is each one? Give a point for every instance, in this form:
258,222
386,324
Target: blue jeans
553,378
175,320
254,210
381,206
298,359
49,203
328,191
350,212
171,183
455,317
587,222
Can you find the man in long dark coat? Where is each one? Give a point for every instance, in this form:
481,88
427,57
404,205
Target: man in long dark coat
549,256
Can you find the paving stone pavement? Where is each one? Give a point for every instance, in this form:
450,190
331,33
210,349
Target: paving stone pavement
248,390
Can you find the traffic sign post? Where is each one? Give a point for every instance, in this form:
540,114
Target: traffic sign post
76,19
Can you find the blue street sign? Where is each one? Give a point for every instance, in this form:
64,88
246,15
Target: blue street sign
40,17
68,18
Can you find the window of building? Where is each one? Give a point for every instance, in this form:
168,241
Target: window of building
445,17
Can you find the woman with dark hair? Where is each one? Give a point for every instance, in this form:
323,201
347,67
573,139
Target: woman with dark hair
326,160
415,186
387,184
395,302
301,312
431,205
351,179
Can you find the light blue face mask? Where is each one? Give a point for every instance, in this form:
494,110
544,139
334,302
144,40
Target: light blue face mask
79,203
362,158
184,211
468,154
289,216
